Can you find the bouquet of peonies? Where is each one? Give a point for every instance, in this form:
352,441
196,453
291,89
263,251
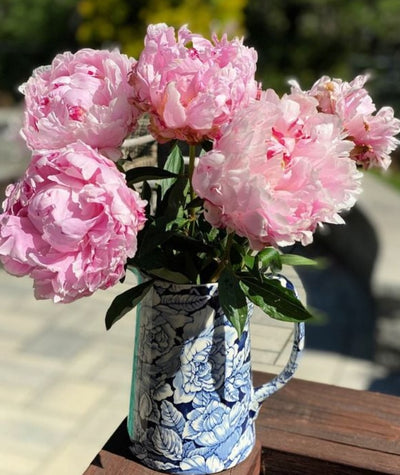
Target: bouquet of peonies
270,171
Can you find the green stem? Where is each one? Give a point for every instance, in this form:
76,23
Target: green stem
192,158
224,260
192,211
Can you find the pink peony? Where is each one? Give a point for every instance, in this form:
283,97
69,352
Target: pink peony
373,135
189,85
279,169
82,96
70,223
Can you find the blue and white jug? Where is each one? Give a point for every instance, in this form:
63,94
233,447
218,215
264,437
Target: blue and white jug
193,404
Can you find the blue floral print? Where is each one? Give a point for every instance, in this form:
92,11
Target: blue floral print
193,404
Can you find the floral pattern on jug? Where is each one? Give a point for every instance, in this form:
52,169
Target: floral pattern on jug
193,404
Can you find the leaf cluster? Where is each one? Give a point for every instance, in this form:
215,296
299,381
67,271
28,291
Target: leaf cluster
177,244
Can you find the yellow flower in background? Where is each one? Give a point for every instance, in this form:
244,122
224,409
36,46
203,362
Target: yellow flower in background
123,23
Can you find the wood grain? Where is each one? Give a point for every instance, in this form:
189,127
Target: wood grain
350,431
304,429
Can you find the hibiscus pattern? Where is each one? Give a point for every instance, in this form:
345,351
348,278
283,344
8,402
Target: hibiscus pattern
193,404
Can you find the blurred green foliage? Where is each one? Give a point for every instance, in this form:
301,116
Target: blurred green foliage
305,39
294,38
31,33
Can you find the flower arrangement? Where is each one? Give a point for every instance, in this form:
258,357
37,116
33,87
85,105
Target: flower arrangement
270,171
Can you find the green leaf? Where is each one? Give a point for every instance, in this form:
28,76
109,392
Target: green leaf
195,203
146,191
274,299
187,243
169,275
252,264
207,145
236,256
249,261
295,260
152,260
232,299
208,268
125,302
213,234
270,257
174,165
178,223
191,266
138,174
151,238
174,200
146,195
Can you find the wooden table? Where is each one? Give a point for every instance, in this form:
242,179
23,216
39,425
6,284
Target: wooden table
305,428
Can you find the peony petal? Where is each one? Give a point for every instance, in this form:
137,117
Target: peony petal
82,96
174,112
70,223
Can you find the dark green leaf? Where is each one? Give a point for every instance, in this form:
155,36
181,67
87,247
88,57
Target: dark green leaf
232,299
207,145
275,300
169,275
138,174
174,199
191,266
236,256
209,267
146,195
125,302
187,243
151,238
152,260
253,266
120,165
175,165
195,203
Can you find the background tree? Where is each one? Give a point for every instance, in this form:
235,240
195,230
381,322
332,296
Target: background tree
294,38
308,38
31,33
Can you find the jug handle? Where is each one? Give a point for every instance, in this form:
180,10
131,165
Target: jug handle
266,390
263,392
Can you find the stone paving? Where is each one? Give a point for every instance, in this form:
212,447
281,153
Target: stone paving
13,153
64,380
